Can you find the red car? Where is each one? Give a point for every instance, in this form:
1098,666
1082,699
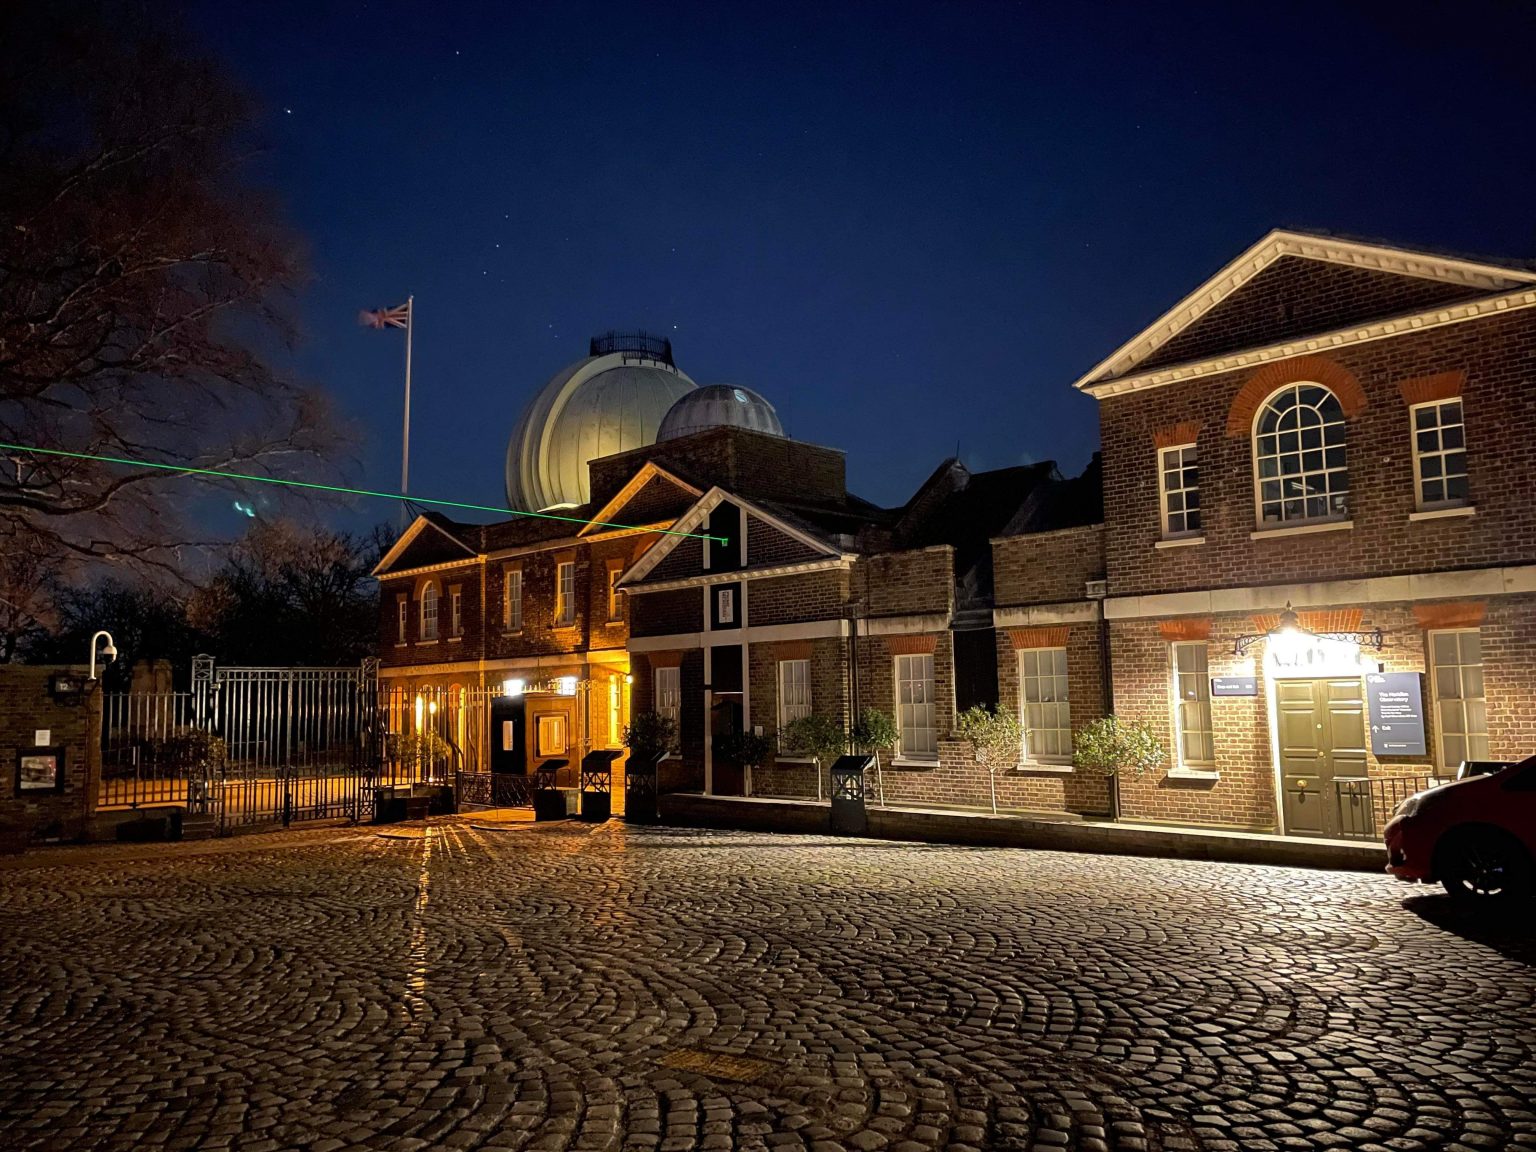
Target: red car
1476,835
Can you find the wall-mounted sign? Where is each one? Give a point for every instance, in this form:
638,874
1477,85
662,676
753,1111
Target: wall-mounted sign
1234,685
1395,705
40,770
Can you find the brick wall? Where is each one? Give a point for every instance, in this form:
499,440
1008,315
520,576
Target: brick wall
75,725
916,582
666,613
766,546
467,578
795,599
829,697
1047,567
751,463
1498,357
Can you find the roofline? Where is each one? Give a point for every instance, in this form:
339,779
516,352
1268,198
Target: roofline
409,535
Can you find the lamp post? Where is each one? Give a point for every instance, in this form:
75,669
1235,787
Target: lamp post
108,653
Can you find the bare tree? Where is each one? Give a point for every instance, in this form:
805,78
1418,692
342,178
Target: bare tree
27,612
141,287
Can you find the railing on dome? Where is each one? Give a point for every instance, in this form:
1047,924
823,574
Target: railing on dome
639,342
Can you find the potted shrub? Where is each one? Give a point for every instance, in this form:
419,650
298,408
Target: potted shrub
747,750
1111,746
650,735
875,732
996,739
819,737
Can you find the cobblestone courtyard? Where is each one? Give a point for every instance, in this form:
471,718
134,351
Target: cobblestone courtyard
552,987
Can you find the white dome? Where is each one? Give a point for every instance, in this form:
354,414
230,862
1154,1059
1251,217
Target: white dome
609,402
719,406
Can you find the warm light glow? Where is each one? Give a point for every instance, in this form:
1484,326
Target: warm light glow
511,687
629,679
566,685
420,703
432,708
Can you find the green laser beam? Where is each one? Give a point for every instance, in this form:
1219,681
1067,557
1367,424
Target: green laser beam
187,470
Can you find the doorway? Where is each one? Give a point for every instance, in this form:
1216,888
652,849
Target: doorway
1320,737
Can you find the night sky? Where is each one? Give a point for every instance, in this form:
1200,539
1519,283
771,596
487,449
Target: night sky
908,225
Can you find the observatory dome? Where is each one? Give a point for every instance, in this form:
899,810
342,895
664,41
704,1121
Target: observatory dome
719,406
610,402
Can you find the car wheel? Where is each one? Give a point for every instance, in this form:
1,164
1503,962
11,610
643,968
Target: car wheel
1484,865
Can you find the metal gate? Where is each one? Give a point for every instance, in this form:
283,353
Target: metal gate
296,744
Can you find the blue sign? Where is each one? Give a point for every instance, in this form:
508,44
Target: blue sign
1234,685
1395,705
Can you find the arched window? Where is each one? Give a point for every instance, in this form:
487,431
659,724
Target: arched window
1298,456
429,611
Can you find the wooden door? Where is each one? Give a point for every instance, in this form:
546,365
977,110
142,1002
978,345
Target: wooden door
1321,726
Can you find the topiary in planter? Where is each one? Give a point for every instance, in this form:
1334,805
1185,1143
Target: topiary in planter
996,739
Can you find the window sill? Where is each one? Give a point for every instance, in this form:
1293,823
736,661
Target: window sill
401,644
914,762
794,759
1179,541
571,627
1036,766
1303,529
455,639
1193,774
515,632
1443,513
426,643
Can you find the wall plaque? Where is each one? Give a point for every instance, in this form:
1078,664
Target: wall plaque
1396,708
1234,685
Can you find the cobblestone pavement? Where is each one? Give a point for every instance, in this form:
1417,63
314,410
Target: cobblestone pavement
554,987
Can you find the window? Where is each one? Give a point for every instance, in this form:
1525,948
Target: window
512,601
429,612
794,691
615,597
565,592
615,712
1298,452
550,735
1047,713
669,696
456,612
725,605
1179,483
1439,454
1456,661
403,604
914,707
1192,705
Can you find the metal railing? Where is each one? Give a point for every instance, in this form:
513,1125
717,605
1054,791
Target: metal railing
1365,804
496,789
146,752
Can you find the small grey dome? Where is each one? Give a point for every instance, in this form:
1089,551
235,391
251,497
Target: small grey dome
610,402
719,406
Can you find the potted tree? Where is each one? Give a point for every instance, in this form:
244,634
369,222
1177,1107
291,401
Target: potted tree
819,737
649,736
996,739
875,732
1111,746
747,750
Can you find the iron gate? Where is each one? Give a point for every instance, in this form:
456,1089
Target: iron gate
297,744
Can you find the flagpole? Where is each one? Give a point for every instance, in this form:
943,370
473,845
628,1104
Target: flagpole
405,436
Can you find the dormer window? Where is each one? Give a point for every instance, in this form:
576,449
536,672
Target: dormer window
1298,455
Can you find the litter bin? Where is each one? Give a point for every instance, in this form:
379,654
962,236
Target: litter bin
641,791
548,801
597,784
848,813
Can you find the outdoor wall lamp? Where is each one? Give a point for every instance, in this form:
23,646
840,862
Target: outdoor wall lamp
1289,628
108,652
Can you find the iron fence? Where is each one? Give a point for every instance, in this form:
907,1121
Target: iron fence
1365,804
148,747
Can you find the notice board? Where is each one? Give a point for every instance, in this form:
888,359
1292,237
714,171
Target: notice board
1395,705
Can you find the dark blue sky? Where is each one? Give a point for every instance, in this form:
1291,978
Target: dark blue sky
907,225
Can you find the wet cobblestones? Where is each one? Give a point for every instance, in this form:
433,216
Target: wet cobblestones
554,987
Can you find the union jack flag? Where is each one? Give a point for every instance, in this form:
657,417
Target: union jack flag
396,317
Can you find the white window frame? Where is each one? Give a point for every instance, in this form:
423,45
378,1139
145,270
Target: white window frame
1435,667
565,593
615,597
725,605
1282,451
615,712
794,691
667,701
512,600
1440,452
916,668
456,611
1202,679
558,730
429,599
1032,754
403,612
1164,492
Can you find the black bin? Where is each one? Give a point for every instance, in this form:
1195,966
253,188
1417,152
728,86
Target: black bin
848,812
597,784
548,802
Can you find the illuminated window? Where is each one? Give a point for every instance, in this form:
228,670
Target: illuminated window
512,601
1439,454
1192,705
550,737
615,712
1047,710
565,592
1298,453
455,612
1179,483
615,597
669,697
915,713
403,604
794,691
1456,662
429,612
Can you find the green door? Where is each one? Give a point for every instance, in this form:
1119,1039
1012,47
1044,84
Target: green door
1321,726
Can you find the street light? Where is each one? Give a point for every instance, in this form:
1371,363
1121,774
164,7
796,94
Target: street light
108,653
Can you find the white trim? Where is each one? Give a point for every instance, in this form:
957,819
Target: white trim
649,471
1271,248
1476,583
410,534
762,634
1327,341
1431,670
1179,541
1301,528
705,579
899,761
1449,512
1192,774
1181,761
1162,490
1293,391
1026,615
1027,755
431,569
1054,768
906,625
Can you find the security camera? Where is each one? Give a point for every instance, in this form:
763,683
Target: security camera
109,653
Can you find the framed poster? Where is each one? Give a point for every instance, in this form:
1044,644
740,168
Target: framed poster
551,735
39,770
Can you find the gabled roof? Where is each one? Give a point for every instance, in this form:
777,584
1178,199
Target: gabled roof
1477,275
424,521
605,518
